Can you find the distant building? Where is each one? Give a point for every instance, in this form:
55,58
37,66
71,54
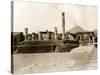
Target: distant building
34,36
59,37
85,37
47,35
29,37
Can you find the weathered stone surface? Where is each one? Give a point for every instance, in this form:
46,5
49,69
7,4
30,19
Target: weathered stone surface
81,58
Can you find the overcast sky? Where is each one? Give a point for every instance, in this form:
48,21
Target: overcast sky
45,16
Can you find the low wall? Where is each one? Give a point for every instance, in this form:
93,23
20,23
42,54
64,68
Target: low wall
45,46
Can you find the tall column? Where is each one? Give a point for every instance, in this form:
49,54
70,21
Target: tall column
89,39
56,33
63,25
39,36
80,39
26,33
33,36
93,40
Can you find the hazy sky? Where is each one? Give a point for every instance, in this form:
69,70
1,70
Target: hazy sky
45,16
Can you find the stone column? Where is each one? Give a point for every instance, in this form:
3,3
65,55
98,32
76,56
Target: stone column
39,36
26,33
63,25
33,36
55,33
81,39
93,40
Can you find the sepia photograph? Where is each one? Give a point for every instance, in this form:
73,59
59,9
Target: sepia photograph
53,37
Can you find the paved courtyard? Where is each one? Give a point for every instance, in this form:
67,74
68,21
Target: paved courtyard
81,58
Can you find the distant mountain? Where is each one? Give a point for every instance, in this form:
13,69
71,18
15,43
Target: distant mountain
76,29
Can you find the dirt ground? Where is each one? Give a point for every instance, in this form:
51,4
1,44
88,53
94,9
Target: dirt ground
81,58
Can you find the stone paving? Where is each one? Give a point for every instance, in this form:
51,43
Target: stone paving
81,58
